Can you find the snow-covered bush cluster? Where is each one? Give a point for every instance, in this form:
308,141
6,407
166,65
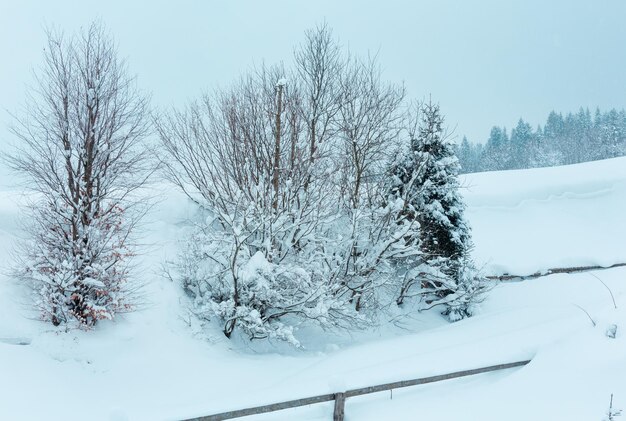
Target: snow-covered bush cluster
326,198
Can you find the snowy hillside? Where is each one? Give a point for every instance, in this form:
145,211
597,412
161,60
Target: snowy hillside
158,363
526,221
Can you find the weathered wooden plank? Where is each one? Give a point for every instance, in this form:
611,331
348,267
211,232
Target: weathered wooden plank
266,408
553,271
425,380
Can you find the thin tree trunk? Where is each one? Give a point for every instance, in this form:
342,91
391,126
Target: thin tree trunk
276,168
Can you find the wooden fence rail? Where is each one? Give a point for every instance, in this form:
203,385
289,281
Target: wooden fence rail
340,397
553,271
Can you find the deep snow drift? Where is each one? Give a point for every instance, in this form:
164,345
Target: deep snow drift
157,363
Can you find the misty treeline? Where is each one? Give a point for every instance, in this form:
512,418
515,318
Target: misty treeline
577,137
326,196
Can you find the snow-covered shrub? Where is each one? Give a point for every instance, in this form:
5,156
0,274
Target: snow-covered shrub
287,166
459,292
82,280
290,169
372,252
339,275
83,156
254,295
253,271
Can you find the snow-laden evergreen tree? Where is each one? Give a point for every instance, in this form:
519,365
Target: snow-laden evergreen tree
428,178
444,230
497,152
521,145
466,156
82,153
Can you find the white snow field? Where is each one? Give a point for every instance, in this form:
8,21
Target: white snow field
531,220
158,364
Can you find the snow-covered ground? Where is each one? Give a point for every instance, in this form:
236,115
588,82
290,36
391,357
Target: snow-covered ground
526,221
157,364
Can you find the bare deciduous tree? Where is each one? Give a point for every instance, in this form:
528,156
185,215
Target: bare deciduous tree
370,120
369,123
319,64
82,153
243,155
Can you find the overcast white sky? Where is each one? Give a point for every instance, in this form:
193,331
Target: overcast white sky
485,62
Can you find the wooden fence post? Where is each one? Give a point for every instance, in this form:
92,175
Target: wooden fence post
340,401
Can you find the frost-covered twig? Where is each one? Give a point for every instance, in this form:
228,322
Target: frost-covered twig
611,413
607,287
585,311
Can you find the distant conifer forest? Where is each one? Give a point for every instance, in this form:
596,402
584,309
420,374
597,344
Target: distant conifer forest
570,139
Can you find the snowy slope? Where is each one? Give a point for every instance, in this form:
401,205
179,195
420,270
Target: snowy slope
531,220
158,364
